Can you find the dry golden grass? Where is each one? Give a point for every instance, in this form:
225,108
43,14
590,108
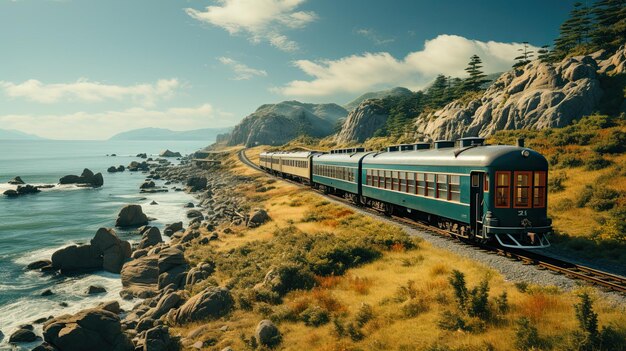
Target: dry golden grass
406,290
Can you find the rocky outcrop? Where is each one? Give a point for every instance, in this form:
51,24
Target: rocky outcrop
539,95
16,181
398,91
168,153
161,267
150,237
214,302
88,330
87,178
258,217
275,124
614,64
106,251
131,216
363,122
23,334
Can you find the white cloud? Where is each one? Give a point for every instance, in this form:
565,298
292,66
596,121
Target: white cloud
374,36
242,71
261,20
446,54
88,91
102,125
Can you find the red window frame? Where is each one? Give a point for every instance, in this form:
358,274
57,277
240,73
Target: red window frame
486,185
542,174
529,174
507,187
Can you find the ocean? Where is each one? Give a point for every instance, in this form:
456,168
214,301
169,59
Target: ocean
32,227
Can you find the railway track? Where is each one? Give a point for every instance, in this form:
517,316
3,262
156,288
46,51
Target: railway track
596,277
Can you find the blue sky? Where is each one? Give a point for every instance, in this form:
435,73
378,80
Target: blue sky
86,69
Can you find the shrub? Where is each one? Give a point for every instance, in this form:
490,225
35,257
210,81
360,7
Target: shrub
414,307
526,335
521,286
502,303
315,316
406,292
584,196
587,318
364,315
570,161
360,285
603,198
555,182
564,205
479,301
596,162
614,228
614,143
457,280
612,339
452,321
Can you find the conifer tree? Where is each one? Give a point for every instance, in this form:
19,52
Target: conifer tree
543,54
574,31
476,76
609,30
437,91
524,56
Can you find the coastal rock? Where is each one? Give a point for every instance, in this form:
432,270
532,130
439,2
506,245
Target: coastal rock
258,217
88,330
142,155
173,228
196,183
27,189
140,276
131,216
16,181
95,289
111,306
159,339
47,292
267,333
194,214
86,178
150,238
147,185
121,168
23,335
38,264
11,193
167,302
112,169
114,251
45,347
168,153
199,273
213,302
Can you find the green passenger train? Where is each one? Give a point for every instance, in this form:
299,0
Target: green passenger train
472,190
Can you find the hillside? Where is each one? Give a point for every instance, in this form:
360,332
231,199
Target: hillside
538,95
398,91
167,134
12,134
275,124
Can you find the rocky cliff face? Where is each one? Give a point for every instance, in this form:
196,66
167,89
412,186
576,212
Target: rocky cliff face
276,124
537,96
363,122
397,91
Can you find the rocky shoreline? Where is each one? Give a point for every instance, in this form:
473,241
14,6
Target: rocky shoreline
153,271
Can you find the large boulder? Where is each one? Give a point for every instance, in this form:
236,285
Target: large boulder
140,277
86,178
88,330
196,183
267,333
258,217
168,153
159,339
131,216
106,251
214,302
173,228
150,237
23,335
11,193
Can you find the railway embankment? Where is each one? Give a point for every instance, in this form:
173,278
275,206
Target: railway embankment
267,264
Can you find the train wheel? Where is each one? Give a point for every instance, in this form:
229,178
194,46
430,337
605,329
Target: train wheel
388,209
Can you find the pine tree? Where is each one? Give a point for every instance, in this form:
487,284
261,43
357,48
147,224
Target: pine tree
524,56
476,77
437,91
610,24
543,54
574,31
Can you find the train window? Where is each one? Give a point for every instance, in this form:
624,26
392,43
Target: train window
539,190
522,189
442,186
394,180
486,185
374,177
430,185
410,179
421,184
387,179
455,188
503,190
402,181
368,177
475,180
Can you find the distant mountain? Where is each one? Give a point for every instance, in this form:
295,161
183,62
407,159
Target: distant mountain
276,124
398,91
12,134
167,134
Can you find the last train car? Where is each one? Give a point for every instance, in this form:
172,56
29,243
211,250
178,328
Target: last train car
481,192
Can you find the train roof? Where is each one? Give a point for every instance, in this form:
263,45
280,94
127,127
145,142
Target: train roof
341,157
294,154
501,156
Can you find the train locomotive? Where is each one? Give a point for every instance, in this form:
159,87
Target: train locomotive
472,190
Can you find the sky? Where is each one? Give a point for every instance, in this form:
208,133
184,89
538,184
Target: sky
88,69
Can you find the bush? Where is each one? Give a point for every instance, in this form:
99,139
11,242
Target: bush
596,162
587,321
457,280
364,315
526,335
502,303
555,182
452,321
479,301
315,316
614,228
564,205
584,196
603,198
614,143
414,307
570,161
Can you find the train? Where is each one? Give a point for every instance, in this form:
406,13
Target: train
472,190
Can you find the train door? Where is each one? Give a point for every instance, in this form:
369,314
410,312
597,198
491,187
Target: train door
476,202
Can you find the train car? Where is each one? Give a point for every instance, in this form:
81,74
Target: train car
338,172
265,159
296,165
476,191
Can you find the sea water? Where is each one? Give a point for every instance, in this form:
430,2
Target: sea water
32,227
